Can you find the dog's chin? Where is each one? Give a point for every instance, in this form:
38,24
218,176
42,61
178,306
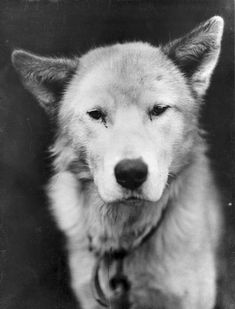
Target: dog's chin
127,218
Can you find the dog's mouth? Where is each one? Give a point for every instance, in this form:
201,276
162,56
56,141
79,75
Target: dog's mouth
132,200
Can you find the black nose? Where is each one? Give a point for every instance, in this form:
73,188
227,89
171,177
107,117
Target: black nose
131,174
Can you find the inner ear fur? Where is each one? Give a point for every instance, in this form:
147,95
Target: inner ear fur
196,54
44,77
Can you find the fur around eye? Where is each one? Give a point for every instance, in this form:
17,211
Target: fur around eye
157,110
97,115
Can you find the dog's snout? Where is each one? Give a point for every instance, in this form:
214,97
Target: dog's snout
131,173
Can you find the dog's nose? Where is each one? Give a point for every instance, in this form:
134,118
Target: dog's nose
131,173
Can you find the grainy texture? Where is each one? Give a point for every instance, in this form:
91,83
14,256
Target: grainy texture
34,272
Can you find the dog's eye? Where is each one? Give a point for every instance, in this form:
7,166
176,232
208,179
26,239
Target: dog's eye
157,110
97,115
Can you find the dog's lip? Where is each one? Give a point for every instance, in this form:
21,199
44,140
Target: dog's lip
133,198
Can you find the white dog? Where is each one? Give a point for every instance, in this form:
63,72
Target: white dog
132,187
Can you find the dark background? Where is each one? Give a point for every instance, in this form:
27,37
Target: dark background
32,260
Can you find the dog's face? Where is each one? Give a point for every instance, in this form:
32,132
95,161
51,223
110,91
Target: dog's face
128,117
128,113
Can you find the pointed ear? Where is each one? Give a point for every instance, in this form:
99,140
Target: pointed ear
44,77
197,53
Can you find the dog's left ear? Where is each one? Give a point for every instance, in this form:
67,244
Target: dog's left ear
44,77
197,53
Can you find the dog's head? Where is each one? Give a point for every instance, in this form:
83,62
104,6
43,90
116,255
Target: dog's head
127,113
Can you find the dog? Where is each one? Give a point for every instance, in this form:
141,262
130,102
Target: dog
132,187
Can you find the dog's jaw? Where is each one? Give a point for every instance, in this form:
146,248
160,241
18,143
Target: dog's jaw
121,224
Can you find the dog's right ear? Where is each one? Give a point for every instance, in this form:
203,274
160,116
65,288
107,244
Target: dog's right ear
44,77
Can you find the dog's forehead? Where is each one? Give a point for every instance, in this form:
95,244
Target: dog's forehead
136,72
128,63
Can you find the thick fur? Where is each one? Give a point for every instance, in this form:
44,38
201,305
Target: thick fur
176,267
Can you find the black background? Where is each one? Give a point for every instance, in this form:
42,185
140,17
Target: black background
32,260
